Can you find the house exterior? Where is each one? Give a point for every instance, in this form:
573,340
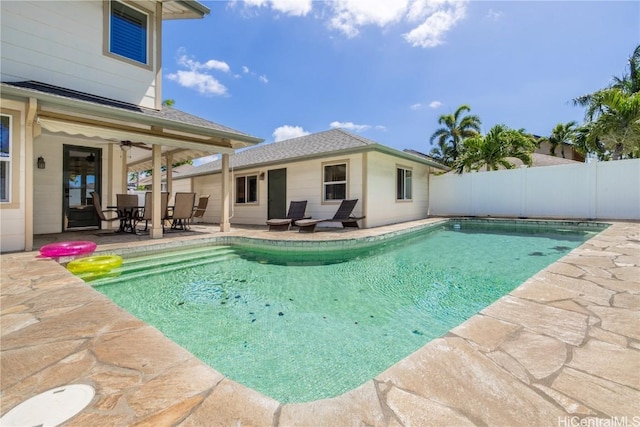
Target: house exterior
323,168
81,106
564,150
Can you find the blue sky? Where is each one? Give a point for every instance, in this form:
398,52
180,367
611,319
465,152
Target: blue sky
387,70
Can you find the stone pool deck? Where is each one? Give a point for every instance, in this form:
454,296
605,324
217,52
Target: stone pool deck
562,348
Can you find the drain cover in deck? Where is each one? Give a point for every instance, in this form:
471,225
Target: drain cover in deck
51,408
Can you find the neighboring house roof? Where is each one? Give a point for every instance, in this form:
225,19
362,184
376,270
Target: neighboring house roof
321,144
538,160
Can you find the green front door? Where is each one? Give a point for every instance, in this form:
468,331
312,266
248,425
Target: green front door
277,193
80,177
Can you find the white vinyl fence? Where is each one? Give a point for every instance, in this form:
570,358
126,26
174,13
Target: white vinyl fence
597,190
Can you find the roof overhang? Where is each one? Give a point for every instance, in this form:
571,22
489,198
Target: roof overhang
183,9
184,141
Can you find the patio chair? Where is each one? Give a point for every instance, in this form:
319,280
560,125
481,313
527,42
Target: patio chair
128,209
182,210
101,212
201,207
343,215
148,208
296,212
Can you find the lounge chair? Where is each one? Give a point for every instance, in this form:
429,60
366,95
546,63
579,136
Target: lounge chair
182,211
201,207
296,212
101,212
343,215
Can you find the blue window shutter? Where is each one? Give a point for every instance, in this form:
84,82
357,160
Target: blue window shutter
128,33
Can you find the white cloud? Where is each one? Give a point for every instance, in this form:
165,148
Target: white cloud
349,126
434,18
288,7
351,14
263,79
212,64
245,69
288,132
435,104
416,106
197,76
203,83
494,15
435,24
292,7
429,20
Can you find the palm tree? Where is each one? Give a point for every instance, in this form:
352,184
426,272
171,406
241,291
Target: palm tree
617,126
495,149
455,129
628,84
561,135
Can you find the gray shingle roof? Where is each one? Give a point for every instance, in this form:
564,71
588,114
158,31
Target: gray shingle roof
166,113
317,144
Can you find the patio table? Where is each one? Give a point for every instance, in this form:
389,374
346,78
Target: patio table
128,216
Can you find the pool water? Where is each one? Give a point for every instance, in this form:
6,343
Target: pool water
306,326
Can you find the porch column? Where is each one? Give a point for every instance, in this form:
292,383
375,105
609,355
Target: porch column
169,174
30,134
124,185
225,226
156,190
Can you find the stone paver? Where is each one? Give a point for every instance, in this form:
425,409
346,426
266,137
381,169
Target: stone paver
564,344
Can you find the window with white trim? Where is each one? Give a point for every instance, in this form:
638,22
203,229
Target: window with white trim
404,186
247,189
5,159
128,32
334,182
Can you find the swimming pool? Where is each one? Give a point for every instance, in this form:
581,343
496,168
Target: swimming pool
305,325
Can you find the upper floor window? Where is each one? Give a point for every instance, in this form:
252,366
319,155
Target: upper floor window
247,189
5,159
403,184
128,35
335,182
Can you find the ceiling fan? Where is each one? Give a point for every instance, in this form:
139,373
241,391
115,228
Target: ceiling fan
126,145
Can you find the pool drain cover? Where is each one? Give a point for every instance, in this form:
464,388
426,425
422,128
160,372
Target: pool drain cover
51,408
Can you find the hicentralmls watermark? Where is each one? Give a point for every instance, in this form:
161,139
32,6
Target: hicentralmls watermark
623,421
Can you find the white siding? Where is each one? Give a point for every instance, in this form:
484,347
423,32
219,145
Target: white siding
382,206
12,217
304,182
61,43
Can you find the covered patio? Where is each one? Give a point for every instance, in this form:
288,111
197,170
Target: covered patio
119,137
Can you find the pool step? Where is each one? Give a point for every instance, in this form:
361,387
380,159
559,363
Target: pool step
160,263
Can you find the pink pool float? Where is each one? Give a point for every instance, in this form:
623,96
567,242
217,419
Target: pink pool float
68,249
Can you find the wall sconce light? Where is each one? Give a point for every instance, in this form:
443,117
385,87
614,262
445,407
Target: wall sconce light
261,176
41,163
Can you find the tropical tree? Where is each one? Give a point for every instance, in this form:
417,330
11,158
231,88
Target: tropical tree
455,129
612,116
617,127
494,150
628,84
562,134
